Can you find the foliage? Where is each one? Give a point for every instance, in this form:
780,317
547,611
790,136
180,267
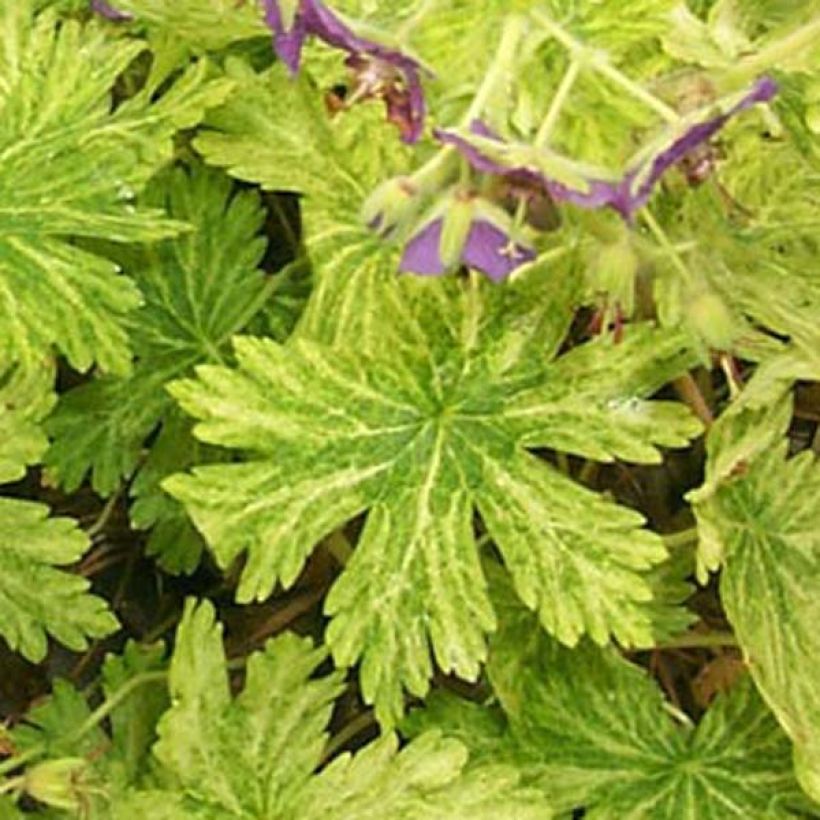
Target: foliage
480,549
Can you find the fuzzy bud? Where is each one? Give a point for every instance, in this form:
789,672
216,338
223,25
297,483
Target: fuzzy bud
58,783
391,206
712,320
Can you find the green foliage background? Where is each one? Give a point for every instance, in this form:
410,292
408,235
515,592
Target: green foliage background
277,425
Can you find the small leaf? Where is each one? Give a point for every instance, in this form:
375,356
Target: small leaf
37,598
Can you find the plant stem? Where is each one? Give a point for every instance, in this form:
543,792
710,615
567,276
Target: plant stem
663,240
500,68
567,82
682,538
108,706
439,168
413,20
700,640
11,785
599,61
780,50
687,388
96,717
615,75
359,723
12,763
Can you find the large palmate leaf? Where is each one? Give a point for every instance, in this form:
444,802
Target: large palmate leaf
69,165
37,598
421,433
199,289
594,732
255,756
760,521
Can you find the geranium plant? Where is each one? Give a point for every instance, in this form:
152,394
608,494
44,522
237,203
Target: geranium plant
409,409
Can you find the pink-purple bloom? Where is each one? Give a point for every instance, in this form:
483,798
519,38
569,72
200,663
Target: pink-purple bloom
379,71
487,248
108,11
625,195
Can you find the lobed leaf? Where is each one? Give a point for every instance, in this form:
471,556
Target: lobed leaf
55,101
37,598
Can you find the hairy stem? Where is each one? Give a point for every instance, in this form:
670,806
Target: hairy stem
558,101
598,61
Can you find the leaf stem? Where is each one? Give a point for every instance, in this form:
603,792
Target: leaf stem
359,723
682,538
96,717
785,48
338,545
500,68
102,519
598,60
663,240
558,101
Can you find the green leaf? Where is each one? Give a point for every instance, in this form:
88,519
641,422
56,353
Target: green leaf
56,114
274,131
8,811
202,27
751,426
244,755
133,722
594,732
429,425
172,538
420,782
254,756
25,398
761,522
199,289
37,598
54,724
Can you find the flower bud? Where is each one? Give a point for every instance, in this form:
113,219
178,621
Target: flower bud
391,205
612,271
711,319
58,783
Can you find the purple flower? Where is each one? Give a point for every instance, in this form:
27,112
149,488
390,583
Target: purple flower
109,12
636,187
379,71
523,166
525,180
487,247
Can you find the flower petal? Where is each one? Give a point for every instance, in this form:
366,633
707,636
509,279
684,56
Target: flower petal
599,192
489,249
109,12
405,106
629,193
286,43
640,180
421,254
